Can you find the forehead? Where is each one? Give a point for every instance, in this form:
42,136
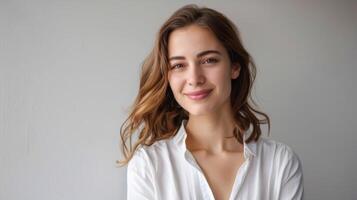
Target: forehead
190,40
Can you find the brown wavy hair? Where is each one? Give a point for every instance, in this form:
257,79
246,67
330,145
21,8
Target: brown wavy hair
156,115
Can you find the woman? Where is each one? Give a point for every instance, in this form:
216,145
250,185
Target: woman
199,135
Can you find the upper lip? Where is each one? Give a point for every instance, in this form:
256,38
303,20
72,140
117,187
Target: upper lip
198,92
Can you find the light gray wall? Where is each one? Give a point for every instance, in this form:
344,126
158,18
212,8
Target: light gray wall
69,71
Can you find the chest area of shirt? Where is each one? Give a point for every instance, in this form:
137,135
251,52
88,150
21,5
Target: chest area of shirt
220,171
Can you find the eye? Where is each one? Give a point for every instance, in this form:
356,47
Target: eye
177,66
210,60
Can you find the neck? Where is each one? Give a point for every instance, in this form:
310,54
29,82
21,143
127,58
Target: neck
212,133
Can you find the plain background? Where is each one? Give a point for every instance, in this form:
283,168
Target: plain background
70,71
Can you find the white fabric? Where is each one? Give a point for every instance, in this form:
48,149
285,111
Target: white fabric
166,170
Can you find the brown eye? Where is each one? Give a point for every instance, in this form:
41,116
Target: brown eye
210,60
177,66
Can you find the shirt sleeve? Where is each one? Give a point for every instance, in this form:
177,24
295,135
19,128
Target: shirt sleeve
140,184
292,183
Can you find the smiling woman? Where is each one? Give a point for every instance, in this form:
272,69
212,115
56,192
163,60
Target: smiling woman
196,78
199,133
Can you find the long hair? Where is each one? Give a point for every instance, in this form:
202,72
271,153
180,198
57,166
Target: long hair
156,115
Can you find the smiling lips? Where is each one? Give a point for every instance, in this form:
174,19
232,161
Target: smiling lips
198,95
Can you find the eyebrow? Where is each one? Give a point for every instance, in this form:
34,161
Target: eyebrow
203,53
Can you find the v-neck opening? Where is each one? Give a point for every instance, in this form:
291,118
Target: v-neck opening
238,180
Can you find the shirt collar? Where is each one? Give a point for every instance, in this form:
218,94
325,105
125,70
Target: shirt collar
180,138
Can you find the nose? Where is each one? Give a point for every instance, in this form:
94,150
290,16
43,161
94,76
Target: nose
195,76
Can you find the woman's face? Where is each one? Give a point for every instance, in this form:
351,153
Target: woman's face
200,70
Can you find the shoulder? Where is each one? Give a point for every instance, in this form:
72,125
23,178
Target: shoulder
139,160
157,148
277,156
271,148
141,180
285,167
146,156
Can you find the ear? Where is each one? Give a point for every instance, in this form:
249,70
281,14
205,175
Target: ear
235,70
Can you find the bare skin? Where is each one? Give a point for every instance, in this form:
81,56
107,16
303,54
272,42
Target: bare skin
220,171
218,157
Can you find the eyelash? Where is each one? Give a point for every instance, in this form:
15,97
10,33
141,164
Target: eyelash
213,60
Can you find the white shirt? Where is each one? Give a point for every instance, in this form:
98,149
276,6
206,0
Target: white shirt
167,170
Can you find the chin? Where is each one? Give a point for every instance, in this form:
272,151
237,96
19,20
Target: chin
199,110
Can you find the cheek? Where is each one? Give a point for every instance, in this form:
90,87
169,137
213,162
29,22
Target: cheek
222,80
220,77
175,83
